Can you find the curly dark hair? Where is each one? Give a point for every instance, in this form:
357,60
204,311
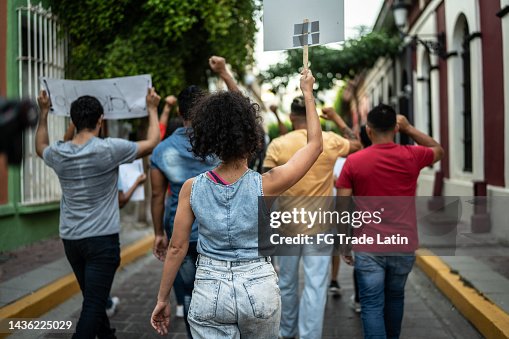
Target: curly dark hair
226,124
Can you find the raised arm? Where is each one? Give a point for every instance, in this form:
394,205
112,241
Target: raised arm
159,184
169,102
41,135
281,178
177,250
218,65
420,138
330,114
280,125
146,146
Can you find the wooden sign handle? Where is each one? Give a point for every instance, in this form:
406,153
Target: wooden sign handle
305,58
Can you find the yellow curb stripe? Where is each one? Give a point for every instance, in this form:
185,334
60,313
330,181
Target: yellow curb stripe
55,293
487,317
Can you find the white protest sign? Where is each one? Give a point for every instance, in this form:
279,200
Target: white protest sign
284,28
122,98
127,175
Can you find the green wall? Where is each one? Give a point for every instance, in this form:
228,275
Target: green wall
21,225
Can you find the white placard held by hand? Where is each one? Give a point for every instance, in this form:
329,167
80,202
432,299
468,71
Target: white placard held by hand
284,27
121,98
127,175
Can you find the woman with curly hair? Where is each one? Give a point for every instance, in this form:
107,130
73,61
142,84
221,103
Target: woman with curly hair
235,292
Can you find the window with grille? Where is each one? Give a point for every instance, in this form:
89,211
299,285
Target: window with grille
41,52
467,102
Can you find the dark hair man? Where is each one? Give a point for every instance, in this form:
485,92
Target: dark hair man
87,168
305,319
386,169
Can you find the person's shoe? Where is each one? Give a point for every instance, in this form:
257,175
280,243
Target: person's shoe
334,288
180,311
354,305
110,311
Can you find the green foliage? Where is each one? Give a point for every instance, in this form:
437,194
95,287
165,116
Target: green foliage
170,39
338,101
329,64
273,129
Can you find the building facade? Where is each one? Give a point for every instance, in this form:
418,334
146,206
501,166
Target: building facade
451,79
31,45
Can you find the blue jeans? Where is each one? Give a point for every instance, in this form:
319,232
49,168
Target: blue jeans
94,262
234,299
306,317
381,281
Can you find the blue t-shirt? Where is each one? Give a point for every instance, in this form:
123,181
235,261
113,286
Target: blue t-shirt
88,176
174,158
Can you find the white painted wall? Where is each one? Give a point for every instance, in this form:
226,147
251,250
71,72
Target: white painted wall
453,10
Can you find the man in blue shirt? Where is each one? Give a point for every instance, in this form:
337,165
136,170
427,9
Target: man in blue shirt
173,162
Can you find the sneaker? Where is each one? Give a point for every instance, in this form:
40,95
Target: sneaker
180,311
110,311
354,305
334,288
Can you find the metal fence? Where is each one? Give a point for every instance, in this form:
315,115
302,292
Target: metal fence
42,50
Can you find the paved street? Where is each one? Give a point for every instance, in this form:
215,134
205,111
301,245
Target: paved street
428,314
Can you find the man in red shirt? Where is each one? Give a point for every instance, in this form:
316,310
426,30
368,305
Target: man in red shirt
383,178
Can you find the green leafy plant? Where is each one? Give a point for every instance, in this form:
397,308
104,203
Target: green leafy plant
329,64
170,39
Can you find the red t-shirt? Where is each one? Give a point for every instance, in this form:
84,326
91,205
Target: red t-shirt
388,172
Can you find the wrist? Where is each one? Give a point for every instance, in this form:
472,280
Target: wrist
224,74
408,130
338,121
308,95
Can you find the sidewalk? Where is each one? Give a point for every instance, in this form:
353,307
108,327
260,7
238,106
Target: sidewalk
33,277
472,270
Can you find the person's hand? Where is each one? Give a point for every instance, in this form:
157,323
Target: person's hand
170,100
152,99
328,113
141,179
160,319
217,64
307,81
44,102
348,259
273,109
403,123
160,247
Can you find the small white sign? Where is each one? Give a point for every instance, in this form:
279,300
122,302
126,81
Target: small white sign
284,28
121,98
127,175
